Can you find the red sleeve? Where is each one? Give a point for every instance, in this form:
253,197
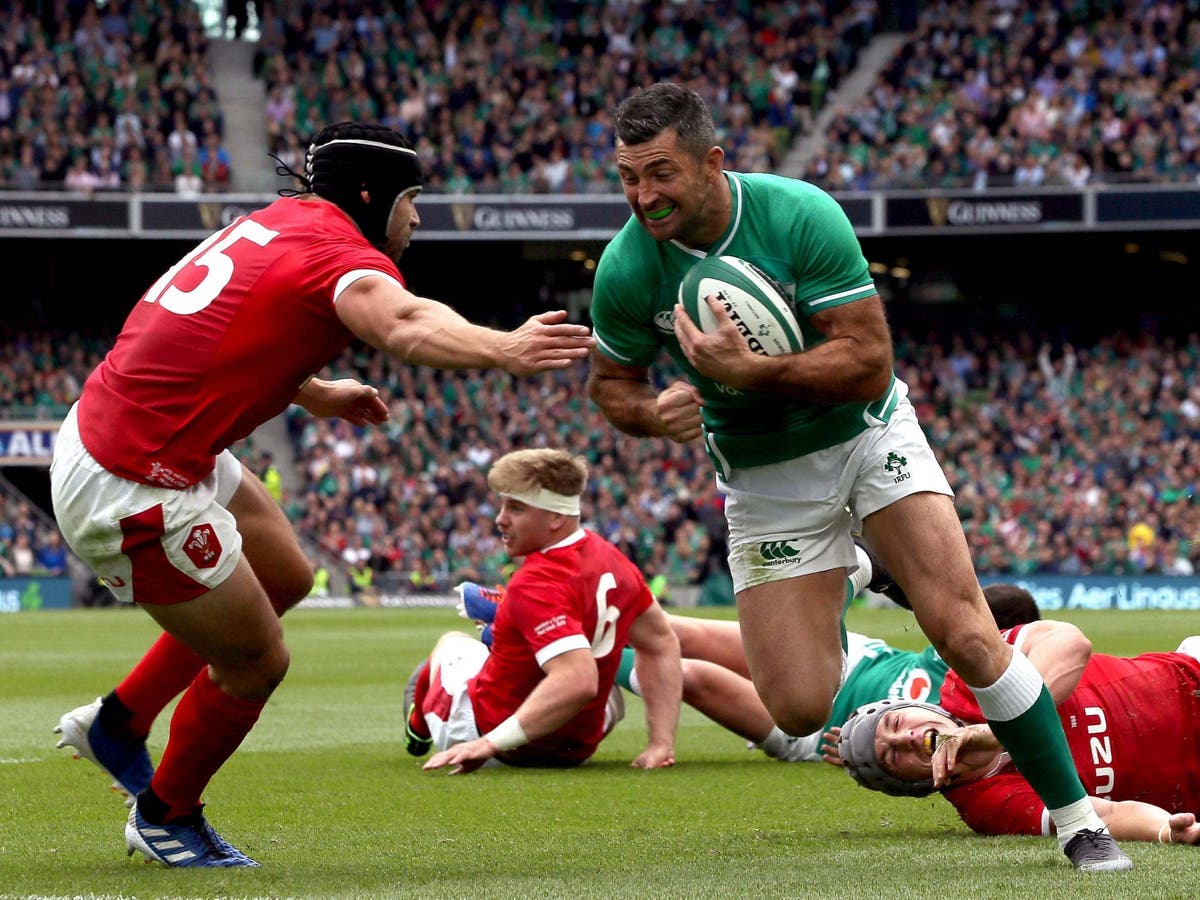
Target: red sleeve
1001,804
544,612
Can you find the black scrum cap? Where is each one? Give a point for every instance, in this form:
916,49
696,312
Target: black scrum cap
346,159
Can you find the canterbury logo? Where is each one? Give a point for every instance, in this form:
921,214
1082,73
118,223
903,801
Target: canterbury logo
777,551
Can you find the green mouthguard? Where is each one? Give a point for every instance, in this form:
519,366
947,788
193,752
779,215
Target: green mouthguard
660,213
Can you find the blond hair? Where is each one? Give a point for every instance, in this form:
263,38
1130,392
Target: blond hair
526,471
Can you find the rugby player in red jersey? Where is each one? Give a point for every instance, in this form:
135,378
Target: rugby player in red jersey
147,493
544,694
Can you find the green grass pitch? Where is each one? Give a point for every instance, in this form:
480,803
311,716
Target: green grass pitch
323,794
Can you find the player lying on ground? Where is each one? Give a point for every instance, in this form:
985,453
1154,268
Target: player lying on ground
716,679
540,695
717,683
1133,725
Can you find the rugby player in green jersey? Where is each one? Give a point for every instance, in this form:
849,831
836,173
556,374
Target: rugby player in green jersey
806,446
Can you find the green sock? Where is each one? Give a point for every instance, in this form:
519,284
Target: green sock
1037,744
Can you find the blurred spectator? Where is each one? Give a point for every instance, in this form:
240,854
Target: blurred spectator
269,473
51,555
80,176
188,173
23,559
26,175
214,164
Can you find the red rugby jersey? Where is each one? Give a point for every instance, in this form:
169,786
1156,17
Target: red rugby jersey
581,593
1133,728
223,341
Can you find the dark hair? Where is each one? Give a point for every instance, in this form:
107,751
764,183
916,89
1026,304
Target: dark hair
348,158
1011,605
653,110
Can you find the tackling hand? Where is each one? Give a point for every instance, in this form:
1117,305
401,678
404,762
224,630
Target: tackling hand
544,342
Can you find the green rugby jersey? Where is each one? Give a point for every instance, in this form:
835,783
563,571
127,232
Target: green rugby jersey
885,673
798,235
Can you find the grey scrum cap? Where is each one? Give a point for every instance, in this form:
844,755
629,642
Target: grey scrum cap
857,749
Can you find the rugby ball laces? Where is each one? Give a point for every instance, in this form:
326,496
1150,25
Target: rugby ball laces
758,308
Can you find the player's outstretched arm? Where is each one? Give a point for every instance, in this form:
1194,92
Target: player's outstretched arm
425,332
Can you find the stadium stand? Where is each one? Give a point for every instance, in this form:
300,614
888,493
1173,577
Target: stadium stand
1070,461
108,99
516,97
1026,94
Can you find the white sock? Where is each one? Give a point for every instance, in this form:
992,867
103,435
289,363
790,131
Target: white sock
861,578
1074,818
1013,693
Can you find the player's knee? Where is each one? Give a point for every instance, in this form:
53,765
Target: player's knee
696,684
801,714
287,586
258,671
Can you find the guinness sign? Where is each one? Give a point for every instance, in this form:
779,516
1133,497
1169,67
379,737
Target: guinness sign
984,212
26,214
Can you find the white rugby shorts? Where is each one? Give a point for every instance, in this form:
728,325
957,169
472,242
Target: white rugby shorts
795,517
148,544
447,709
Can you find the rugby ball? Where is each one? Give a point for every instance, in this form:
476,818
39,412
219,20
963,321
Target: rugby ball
757,306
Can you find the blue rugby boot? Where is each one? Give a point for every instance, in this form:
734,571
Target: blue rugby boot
122,758
191,843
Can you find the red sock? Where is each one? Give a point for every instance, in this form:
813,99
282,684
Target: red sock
416,720
208,725
167,669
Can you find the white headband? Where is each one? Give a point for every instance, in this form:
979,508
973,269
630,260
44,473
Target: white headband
564,504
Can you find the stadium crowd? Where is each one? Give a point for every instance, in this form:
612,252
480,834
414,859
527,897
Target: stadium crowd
1065,460
28,545
1027,94
516,98
113,98
505,97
